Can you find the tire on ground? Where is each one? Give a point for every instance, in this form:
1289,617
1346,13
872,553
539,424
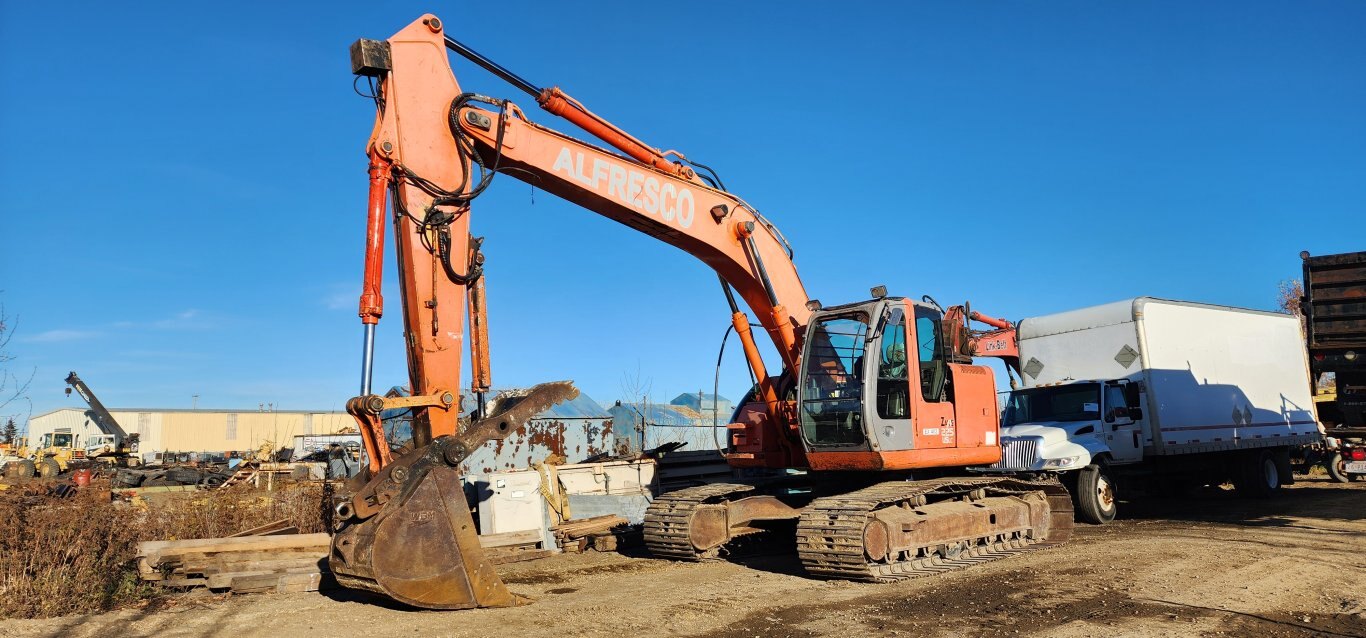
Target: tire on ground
48,468
1095,495
1337,468
19,469
27,469
184,475
1257,474
126,478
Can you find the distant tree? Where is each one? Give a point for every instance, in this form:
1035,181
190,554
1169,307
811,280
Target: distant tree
13,388
1288,298
9,433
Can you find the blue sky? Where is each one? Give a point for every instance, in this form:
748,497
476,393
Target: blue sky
183,190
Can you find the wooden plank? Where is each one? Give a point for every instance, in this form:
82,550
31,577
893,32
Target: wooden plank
298,583
504,539
205,558
314,562
588,526
183,582
245,543
276,527
226,579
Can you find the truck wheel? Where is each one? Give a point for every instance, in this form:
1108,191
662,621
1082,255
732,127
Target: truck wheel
1095,496
48,468
1337,467
1258,475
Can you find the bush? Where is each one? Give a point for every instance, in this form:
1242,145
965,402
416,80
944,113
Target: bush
77,555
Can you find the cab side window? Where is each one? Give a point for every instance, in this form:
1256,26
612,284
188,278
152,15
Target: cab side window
892,384
933,368
1116,403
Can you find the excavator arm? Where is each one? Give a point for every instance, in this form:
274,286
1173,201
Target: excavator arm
1000,341
433,150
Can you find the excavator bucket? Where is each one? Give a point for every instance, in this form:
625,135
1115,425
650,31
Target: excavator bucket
408,534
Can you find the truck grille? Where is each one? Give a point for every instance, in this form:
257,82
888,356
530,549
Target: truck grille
1018,454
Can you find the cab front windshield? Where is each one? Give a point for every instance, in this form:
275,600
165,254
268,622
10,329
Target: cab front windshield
1080,402
58,439
832,393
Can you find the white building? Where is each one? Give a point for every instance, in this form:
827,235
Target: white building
161,430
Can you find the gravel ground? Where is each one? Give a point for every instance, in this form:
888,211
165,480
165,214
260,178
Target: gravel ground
1209,565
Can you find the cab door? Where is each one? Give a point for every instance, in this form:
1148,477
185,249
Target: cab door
890,383
1122,432
935,426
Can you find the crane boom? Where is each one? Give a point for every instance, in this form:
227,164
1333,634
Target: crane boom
103,419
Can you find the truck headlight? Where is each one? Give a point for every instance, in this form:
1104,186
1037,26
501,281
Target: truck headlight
1062,463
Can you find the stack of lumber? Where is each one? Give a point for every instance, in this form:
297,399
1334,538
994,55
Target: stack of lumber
599,533
276,557
273,557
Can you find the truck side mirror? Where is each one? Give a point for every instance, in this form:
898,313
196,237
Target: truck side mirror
1136,413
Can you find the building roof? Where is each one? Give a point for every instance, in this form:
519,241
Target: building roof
194,410
665,414
688,398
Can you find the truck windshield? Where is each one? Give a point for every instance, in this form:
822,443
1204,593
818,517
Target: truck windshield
832,393
1079,402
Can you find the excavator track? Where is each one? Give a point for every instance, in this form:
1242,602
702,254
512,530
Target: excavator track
830,533
667,521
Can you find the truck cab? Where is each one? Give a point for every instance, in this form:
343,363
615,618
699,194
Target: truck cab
1071,425
1078,430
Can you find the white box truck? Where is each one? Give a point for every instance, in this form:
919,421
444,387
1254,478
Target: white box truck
1156,394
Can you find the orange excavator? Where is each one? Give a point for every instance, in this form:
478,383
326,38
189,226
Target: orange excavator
878,402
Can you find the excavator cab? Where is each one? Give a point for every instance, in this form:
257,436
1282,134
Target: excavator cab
879,389
857,380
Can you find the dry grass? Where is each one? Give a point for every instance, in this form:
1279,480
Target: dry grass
76,555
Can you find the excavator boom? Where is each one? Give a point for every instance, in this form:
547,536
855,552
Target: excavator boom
427,165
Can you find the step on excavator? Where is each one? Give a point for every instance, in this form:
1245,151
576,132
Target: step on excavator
877,402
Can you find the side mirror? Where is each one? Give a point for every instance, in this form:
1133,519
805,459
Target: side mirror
1136,413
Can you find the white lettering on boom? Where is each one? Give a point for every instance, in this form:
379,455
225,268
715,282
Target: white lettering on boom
639,190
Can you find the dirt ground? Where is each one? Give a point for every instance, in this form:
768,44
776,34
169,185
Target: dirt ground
1210,565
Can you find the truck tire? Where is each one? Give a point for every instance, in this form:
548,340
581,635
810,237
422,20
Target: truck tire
128,478
48,468
1337,468
184,475
1257,475
1095,495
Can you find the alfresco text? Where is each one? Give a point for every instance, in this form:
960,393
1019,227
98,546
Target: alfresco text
631,187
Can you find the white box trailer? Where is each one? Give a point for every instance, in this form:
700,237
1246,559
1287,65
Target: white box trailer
1154,392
